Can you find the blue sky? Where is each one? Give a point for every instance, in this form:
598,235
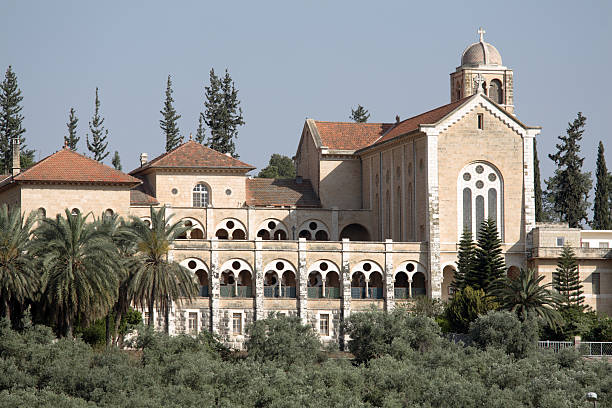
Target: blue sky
296,59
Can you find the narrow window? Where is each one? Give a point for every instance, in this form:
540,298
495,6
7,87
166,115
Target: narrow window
237,323
193,322
480,121
560,241
467,209
604,244
200,195
595,282
479,214
493,205
324,325
586,245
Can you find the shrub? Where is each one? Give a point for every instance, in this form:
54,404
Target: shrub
504,330
465,307
375,333
283,340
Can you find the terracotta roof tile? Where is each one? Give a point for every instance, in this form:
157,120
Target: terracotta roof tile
140,196
67,166
411,124
262,192
349,135
194,155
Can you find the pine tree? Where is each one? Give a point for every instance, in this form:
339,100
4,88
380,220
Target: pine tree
537,185
98,134
169,117
72,139
279,167
359,115
223,114
465,261
489,265
566,279
117,161
11,123
200,132
568,189
602,218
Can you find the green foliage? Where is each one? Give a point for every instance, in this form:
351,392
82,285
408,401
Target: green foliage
11,123
168,123
374,334
504,330
465,261
200,132
424,306
283,340
223,113
568,189
589,325
359,115
117,161
537,185
71,140
602,208
279,167
95,333
465,307
526,297
489,265
98,143
566,279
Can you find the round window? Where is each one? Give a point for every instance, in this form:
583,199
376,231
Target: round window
479,169
323,266
236,265
367,266
174,191
192,264
271,225
228,192
280,266
410,267
312,226
479,184
492,177
467,176
230,224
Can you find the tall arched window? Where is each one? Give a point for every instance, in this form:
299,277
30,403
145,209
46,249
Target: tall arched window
495,91
479,197
201,195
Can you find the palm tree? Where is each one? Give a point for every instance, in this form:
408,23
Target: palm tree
80,269
18,276
526,297
156,281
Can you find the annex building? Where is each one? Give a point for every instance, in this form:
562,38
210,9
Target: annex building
374,216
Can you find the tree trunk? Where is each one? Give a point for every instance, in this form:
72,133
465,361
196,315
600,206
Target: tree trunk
7,310
151,321
108,330
116,334
69,328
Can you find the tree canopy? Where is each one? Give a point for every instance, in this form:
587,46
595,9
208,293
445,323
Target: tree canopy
359,114
71,139
168,122
98,143
602,206
279,167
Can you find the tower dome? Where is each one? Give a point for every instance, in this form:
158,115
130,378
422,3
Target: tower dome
481,53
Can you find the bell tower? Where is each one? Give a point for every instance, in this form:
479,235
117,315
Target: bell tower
481,66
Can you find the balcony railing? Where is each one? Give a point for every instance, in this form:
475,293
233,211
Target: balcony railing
204,291
284,292
229,291
317,293
372,293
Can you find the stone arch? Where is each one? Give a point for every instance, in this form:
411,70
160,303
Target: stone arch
361,275
419,284
367,267
410,268
314,230
201,195
401,285
496,92
197,230
355,232
230,228
201,271
285,279
236,279
324,280
448,275
272,229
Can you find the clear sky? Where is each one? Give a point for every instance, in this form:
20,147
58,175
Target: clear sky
296,59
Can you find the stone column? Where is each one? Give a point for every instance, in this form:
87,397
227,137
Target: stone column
335,234
259,280
433,212
210,233
293,232
528,186
389,289
302,272
215,286
345,277
251,233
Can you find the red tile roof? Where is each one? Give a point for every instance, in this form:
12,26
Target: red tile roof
427,118
194,155
262,192
349,135
140,196
67,166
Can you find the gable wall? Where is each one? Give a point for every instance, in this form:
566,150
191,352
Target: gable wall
11,196
307,160
340,183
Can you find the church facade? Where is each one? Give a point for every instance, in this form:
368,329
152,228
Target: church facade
373,217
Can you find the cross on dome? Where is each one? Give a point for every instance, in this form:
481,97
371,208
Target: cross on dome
481,32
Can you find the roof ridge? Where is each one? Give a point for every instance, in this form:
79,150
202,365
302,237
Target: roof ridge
354,123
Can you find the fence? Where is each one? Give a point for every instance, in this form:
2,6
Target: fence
586,348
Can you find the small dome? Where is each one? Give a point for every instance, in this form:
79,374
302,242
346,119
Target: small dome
481,53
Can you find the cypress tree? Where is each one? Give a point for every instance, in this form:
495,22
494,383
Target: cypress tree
200,132
465,261
11,123
98,134
537,185
72,139
169,117
602,219
566,279
359,115
569,188
489,265
223,114
117,161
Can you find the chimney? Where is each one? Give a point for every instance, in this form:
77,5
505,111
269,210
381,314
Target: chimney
397,119
144,158
16,158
